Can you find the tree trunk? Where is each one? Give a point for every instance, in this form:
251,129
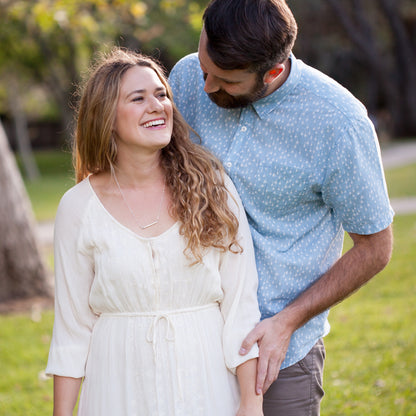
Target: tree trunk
22,134
396,77
22,271
404,69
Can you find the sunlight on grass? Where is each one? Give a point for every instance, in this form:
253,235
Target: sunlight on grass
24,345
370,367
401,182
56,177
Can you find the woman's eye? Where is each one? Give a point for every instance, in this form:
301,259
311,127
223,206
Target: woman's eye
137,99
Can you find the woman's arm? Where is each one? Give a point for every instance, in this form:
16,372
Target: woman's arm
251,404
65,392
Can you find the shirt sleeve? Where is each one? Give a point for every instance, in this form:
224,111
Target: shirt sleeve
239,306
74,274
354,185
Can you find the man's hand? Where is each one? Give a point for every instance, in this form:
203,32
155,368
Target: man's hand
272,336
367,257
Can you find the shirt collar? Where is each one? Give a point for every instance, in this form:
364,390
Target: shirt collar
267,104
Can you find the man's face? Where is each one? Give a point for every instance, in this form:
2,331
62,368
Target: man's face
229,88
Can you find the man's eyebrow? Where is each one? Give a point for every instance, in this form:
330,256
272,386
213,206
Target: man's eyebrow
202,66
224,79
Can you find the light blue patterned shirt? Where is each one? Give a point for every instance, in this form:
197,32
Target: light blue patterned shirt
306,163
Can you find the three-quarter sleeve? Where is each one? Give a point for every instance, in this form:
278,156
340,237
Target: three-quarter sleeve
74,274
239,306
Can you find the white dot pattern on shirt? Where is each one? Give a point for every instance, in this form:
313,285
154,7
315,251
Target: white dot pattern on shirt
305,161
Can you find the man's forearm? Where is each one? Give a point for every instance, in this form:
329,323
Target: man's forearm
367,257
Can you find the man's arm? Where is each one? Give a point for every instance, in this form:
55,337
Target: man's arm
368,256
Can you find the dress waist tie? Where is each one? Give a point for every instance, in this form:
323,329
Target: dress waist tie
170,334
169,337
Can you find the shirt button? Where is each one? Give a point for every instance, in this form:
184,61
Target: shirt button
228,164
244,128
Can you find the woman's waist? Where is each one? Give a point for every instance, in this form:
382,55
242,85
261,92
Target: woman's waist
160,312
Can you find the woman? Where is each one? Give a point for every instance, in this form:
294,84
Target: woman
154,265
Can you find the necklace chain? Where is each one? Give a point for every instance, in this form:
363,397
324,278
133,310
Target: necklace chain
143,227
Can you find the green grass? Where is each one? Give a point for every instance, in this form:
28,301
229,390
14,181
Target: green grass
56,177
401,182
370,367
24,346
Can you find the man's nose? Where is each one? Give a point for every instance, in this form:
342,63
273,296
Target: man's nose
210,84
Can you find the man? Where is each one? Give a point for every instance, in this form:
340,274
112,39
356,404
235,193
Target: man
305,159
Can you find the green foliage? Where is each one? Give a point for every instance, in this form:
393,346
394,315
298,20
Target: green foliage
50,43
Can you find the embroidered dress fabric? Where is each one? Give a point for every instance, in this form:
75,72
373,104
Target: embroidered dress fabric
150,334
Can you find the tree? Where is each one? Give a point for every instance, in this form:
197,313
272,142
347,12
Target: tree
370,47
49,44
52,42
21,128
22,272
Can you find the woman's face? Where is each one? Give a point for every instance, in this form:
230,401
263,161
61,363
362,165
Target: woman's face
144,117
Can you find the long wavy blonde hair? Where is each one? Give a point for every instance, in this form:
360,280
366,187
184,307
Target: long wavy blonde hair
194,176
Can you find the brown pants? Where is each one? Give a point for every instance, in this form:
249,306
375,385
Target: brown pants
298,389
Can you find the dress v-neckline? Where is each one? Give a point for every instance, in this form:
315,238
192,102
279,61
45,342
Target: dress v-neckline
125,227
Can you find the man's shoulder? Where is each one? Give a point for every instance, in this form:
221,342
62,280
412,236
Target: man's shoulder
187,84
185,66
329,91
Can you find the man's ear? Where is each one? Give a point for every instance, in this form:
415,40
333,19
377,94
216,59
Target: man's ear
273,73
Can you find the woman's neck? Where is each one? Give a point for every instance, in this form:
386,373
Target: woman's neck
135,173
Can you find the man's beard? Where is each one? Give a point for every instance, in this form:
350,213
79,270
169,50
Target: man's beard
225,100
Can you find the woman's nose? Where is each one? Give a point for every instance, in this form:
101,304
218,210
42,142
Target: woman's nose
155,104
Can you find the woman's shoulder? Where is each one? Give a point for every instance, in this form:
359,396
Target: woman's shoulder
75,200
79,191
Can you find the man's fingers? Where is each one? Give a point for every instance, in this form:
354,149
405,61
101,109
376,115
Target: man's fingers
272,374
267,370
249,341
262,365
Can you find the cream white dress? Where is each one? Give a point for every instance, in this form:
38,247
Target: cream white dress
149,334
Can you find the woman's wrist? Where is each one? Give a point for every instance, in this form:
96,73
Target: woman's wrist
250,400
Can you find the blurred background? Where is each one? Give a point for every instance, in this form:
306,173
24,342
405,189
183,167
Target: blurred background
369,46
